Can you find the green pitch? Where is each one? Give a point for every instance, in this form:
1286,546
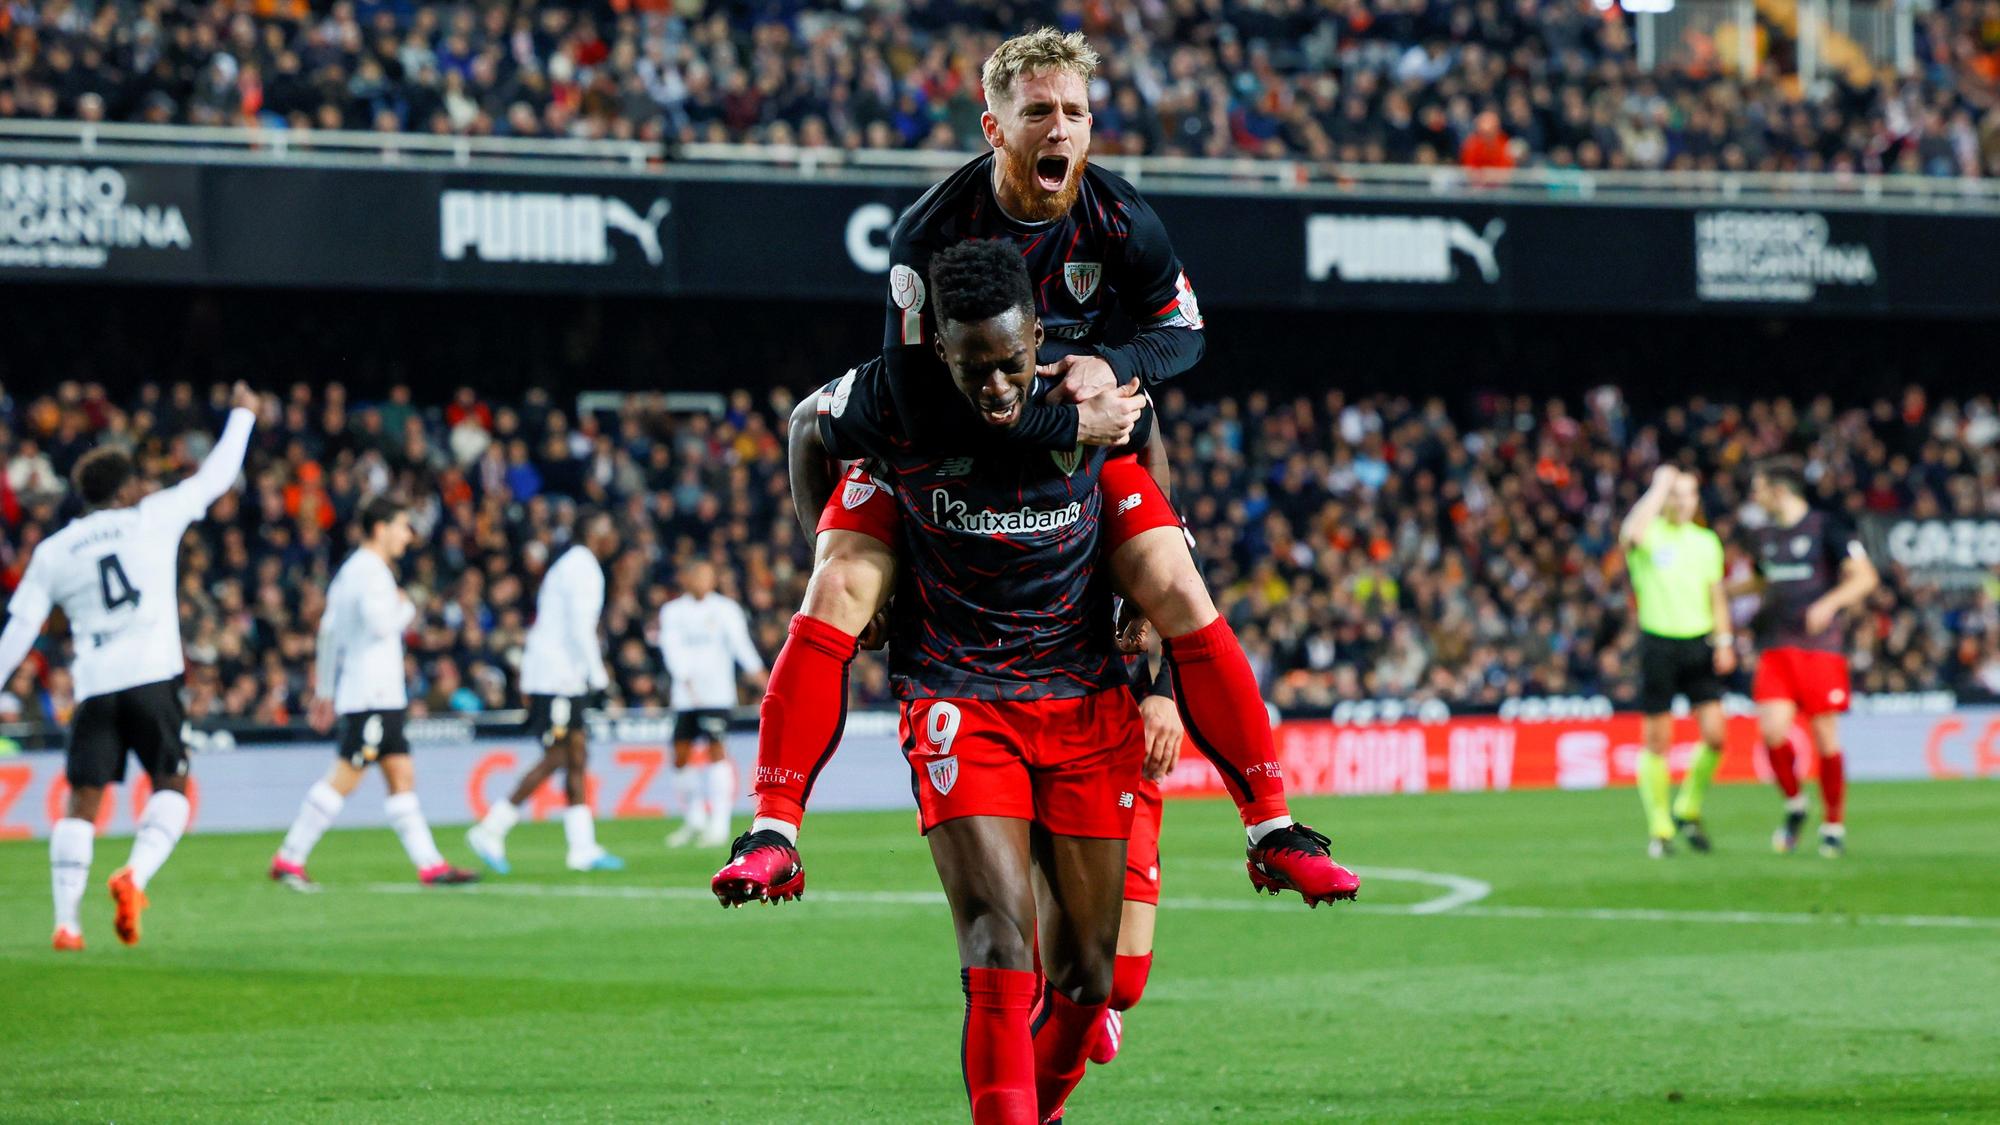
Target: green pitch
1588,984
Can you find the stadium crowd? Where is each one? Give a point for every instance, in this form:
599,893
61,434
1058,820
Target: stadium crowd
1486,83
1368,548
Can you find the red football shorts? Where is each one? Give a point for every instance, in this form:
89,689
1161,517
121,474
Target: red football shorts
1132,503
1142,855
1816,681
1071,765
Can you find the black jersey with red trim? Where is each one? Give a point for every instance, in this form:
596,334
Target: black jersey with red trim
1799,565
1106,281
1000,594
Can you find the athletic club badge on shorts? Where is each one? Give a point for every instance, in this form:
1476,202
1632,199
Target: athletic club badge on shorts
1081,278
944,773
856,491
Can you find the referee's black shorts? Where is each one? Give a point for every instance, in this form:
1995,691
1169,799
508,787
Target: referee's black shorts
1670,666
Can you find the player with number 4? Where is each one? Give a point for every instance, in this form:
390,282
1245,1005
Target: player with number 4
113,572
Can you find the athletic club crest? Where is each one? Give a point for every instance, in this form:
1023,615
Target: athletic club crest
1082,279
944,773
856,491
1068,462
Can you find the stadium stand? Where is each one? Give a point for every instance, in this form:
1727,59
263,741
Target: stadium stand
1491,84
1373,547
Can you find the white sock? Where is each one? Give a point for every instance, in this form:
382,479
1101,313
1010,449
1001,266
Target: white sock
1264,828
70,845
406,816
772,824
1796,804
316,814
581,832
687,783
501,818
721,779
160,828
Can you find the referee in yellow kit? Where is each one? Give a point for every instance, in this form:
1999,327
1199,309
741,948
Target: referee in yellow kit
1685,647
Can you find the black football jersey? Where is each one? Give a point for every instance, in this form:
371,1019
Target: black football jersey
1799,565
1106,282
1000,594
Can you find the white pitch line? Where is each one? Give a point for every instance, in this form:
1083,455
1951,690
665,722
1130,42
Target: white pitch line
1459,902
1732,917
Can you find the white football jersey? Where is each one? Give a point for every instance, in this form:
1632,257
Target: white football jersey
562,655
115,574
705,641
360,661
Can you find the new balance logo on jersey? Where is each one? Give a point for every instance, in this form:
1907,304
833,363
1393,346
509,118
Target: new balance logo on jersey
955,467
953,515
1130,502
1124,800
944,773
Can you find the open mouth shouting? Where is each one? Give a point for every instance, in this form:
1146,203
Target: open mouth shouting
1000,410
1052,172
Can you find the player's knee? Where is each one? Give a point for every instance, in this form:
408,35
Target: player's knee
844,593
84,801
994,940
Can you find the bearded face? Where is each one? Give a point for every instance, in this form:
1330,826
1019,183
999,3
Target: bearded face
1042,142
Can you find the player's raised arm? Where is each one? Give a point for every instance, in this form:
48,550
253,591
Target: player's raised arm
189,500
27,612
1640,520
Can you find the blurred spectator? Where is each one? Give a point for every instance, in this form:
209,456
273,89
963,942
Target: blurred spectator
1488,83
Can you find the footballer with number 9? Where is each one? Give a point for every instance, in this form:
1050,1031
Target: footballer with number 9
1101,270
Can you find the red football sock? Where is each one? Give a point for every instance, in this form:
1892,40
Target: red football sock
1783,767
1833,787
998,1052
1226,718
804,710
1128,979
1064,1033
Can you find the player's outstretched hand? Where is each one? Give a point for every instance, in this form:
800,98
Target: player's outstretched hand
1107,419
1164,735
1078,378
320,715
1664,476
243,398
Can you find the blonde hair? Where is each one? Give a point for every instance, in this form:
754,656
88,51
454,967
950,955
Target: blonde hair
1039,50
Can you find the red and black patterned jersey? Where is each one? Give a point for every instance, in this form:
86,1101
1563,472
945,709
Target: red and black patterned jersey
1799,565
1000,594
1106,282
